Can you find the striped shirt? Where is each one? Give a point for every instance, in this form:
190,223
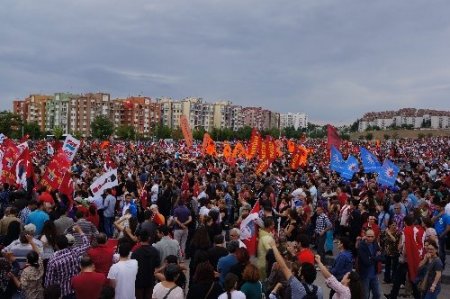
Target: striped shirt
322,223
64,265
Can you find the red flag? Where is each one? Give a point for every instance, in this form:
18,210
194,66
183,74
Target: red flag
66,186
414,248
23,168
333,137
56,170
249,230
11,153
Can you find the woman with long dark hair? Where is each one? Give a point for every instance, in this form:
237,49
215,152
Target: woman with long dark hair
348,288
48,239
204,283
230,285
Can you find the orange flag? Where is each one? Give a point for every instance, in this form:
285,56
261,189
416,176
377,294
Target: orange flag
209,146
238,151
255,143
186,130
104,144
291,146
279,146
271,149
262,166
227,150
263,150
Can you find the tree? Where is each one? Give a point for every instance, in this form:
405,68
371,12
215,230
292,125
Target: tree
369,136
125,132
355,126
58,132
11,124
386,136
421,135
33,130
177,134
77,134
163,132
197,134
102,127
244,133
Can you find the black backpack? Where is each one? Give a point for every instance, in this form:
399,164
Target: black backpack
310,294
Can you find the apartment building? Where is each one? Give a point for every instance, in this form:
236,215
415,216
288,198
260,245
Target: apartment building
141,113
296,120
57,112
415,118
74,113
262,119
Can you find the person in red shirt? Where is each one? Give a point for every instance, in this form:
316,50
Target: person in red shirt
88,284
102,254
92,216
305,255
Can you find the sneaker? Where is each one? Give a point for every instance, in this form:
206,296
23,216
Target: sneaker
387,296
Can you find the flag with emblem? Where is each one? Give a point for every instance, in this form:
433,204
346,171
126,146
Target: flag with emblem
387,174
369,161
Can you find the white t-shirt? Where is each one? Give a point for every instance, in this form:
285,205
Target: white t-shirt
234,295
124,273
154,191
159,291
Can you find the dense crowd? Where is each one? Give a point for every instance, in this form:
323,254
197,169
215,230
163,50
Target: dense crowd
172,227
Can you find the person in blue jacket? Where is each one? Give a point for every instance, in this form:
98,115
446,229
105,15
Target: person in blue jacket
369,255
343,262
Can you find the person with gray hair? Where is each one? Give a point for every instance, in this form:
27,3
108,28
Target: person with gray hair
21,247
235,235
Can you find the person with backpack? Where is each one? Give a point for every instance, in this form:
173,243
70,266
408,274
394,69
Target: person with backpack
302,287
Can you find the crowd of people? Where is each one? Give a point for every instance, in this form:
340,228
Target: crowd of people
172,226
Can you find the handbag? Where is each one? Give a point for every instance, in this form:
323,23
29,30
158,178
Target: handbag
167,295
209,291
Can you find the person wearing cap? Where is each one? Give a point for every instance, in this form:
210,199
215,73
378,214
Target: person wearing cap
38,218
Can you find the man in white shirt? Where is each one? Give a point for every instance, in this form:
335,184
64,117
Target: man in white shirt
154,192
122,275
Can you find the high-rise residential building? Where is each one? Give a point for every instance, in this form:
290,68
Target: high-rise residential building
20,107
36,109
74,113
58,112
33,109
237,117
85,108
296,120
141,113
262,119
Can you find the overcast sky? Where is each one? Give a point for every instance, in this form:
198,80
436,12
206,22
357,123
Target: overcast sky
334,60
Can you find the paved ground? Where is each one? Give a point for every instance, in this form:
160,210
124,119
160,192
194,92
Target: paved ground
386,288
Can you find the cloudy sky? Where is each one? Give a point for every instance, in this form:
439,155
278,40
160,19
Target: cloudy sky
333,59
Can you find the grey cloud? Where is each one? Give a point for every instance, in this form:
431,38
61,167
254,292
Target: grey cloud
334,60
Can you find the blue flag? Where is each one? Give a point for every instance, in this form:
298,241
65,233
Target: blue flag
387,174
369,161
336,160
351,166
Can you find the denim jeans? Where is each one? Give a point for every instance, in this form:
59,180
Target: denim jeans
442,244
434,295
371,284
108,226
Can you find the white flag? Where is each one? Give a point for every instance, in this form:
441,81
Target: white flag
70,146
106,181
